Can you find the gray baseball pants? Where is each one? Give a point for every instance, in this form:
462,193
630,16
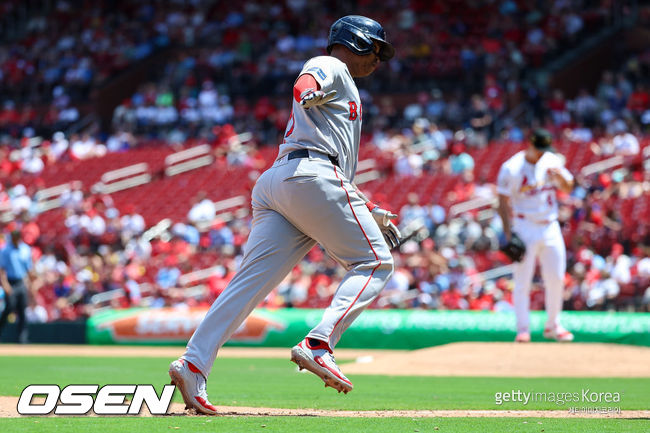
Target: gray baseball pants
297,203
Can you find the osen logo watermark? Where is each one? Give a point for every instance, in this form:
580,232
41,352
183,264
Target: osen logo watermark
107,400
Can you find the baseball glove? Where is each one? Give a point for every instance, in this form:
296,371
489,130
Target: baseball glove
515,249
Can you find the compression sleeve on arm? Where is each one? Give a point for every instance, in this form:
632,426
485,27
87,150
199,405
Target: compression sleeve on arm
304,82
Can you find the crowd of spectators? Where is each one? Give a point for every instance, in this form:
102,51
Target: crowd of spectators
620,103
68,49
250,54
476,51
81,47
608,120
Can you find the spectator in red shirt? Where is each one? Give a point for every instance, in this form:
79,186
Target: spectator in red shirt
558,108
639,100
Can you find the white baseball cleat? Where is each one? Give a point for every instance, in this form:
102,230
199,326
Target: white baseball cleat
522,337
320,361
558,333
191,383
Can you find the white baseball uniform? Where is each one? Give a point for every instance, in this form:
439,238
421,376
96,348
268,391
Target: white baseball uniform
535,211
302,199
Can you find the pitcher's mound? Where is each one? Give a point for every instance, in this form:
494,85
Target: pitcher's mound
511,360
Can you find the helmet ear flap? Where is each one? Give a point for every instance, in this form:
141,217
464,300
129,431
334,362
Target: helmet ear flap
386,51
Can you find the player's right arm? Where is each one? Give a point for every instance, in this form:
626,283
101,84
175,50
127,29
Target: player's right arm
504,209
304,83
504,213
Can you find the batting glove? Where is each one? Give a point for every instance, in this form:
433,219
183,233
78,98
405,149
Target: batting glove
384,218
311,97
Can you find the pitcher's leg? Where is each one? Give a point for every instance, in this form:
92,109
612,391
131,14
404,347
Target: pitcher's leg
273,248
553,263
523,278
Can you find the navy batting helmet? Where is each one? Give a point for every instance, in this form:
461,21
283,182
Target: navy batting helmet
357,33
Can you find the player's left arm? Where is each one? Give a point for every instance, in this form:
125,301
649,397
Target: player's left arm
562,179
384,219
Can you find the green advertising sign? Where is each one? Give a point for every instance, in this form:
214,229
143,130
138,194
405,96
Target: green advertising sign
374,329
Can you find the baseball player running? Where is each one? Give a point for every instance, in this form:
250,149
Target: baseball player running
308,197
526,185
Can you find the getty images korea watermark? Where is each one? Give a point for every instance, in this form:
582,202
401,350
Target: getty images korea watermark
583,401
105,400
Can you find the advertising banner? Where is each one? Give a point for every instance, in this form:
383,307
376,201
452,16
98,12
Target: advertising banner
374,329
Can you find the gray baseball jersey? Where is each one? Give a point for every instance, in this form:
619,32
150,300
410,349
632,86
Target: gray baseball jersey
333,128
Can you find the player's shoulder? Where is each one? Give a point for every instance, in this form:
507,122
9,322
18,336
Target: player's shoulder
323,62
515,162
553,159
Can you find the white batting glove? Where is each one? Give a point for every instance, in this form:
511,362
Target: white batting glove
384,218
311,97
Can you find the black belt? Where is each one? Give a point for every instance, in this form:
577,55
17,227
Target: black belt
14,281
304,153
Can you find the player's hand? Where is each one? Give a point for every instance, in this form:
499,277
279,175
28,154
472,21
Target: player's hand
311,97
555,174
384,218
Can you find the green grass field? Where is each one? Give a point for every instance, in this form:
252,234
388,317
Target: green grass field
276,383
324,425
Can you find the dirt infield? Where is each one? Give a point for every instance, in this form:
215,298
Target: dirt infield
458,359
8,410
512,360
